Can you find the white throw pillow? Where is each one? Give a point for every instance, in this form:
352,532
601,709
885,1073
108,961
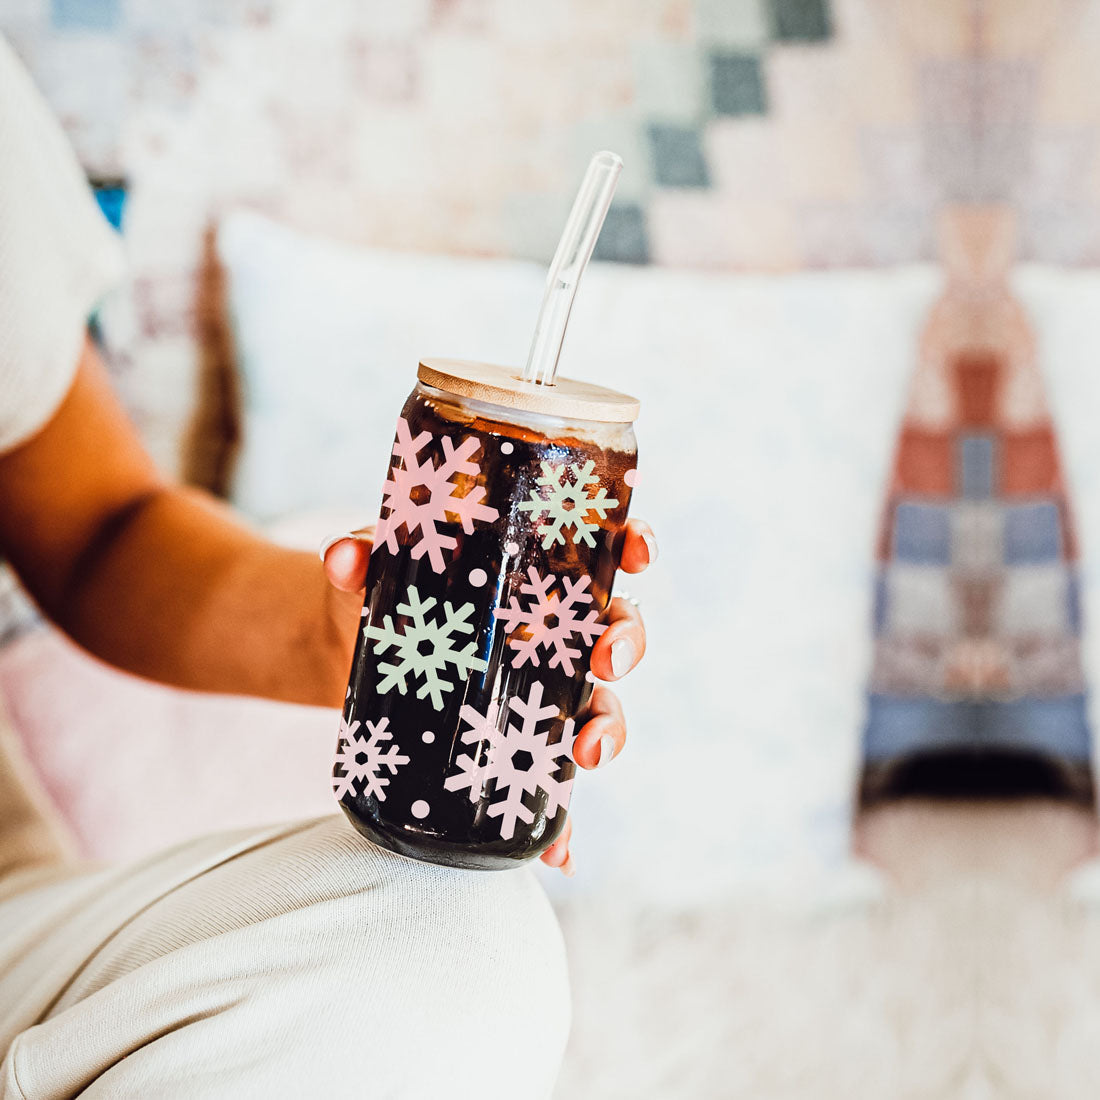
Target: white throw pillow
769,411
328,340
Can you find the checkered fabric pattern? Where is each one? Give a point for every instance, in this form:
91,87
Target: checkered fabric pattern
977,613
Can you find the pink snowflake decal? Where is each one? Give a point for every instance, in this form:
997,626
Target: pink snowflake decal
518,758
419,496
363,758
550,621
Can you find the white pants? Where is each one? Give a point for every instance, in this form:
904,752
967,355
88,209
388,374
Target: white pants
298,961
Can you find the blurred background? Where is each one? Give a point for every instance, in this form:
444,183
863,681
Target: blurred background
314,196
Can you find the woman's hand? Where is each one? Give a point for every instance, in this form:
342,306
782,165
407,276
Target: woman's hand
617,650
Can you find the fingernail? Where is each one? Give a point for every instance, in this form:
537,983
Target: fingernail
622,657
651,546
567,867
607,750
330,542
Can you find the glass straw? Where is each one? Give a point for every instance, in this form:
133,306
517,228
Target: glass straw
574,251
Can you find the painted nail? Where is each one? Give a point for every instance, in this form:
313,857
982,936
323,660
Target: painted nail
567,867
622,657
331,541
651,546
607,750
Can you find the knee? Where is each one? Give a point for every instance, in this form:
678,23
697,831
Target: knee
469,935
451,976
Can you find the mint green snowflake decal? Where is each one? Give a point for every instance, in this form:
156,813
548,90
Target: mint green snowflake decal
566,503
426,647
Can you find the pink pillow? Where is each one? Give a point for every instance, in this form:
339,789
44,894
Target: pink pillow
134,766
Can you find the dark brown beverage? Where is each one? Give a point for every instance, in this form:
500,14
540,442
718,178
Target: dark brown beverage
494,557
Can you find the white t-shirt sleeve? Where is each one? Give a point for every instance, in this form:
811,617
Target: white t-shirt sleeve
58,257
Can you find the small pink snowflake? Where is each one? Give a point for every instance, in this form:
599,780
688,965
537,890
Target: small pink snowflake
361,759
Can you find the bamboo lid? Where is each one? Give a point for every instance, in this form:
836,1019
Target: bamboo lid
504,386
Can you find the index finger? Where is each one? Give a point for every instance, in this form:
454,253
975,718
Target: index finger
639,547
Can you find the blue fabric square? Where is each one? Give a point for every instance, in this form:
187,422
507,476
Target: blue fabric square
899,726
922,534
677,154
95,15
1073,600
1056,726
736,84
879,609
800,20
1033,534
624,238
976,466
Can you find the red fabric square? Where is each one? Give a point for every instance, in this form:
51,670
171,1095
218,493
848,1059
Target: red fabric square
925,463
977,374
1029,462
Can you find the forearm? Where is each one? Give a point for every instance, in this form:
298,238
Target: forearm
174,588
158,579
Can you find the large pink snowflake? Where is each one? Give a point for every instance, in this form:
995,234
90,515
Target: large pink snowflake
362,759
518,758
550,621
419,496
